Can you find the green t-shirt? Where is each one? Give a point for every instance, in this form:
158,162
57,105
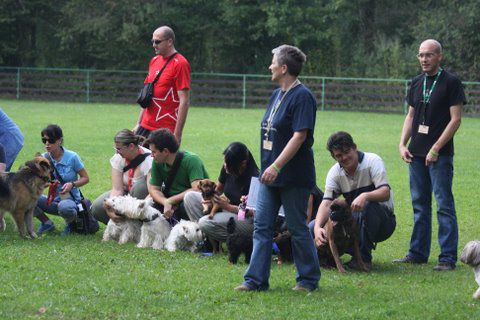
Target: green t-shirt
191,169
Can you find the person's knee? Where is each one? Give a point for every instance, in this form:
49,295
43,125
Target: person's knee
191,197
67,209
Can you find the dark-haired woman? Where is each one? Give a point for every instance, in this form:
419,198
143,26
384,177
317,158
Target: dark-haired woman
70,173
131,164
234,182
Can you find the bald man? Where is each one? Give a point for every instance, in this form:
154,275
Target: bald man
171,94
435,99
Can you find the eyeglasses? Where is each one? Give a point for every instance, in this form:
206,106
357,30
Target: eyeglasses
119,148
428,55
157,42
49,140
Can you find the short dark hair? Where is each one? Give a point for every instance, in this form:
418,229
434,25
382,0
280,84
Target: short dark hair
340,140
52,131
163,138
234,154
290,56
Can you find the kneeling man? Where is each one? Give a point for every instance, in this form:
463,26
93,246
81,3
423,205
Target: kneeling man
362,180
173,173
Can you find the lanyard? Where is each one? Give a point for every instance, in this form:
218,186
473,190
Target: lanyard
427,95
276,106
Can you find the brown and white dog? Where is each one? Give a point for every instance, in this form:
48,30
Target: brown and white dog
341,233
19,192
207,188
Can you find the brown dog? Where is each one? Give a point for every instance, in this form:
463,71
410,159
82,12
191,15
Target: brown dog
207,188
341,233
20,191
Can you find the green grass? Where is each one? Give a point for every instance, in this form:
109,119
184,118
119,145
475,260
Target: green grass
80,277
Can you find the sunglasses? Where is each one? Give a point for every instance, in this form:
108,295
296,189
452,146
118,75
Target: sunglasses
50,140
157,42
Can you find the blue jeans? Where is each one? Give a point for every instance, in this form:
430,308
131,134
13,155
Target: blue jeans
295,202
438,178
67,208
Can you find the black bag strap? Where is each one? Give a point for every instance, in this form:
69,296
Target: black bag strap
136,162
164,66
173,172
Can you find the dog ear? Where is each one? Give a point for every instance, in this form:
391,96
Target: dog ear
45,164
141,205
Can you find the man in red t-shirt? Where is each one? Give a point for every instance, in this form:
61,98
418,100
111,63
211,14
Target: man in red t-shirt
171,95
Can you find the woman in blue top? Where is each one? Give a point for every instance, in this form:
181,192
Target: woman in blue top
69,172
287,174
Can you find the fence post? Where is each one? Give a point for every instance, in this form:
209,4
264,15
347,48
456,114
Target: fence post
244,89
323,94
18,83
405,100
87,83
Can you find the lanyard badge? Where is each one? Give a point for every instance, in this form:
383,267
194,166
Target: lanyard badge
423,128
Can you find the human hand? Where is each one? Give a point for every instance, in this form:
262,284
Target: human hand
269,175
66,188
359,202
405,154
221,201
320,237
431,157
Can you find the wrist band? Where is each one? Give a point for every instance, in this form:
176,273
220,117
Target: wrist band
433,153
274,166
73,184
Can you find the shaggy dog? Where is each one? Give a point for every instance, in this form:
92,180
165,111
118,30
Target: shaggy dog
283,239
341,233
184,236
20,191
207,188
129,229
238,243
471,256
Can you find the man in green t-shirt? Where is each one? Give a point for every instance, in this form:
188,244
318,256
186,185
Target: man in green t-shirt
169,192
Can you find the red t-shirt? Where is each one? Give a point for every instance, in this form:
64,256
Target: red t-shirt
163,110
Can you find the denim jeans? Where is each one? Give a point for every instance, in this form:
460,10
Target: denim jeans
67,208
294,201
436,177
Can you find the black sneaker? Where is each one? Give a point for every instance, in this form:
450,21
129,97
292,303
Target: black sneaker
409,259
444,266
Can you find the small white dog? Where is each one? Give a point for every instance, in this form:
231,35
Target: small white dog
471,256
128,230
184,236
144,224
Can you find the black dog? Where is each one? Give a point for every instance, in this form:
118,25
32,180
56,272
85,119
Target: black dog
283,238
238,243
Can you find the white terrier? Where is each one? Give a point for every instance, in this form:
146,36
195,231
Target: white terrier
154,230
471,256
184,236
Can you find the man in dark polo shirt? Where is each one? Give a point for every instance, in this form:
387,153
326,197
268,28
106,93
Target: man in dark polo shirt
435,99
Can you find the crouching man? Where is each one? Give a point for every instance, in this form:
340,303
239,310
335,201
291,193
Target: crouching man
362,180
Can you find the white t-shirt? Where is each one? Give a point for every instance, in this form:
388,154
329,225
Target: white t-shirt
118,163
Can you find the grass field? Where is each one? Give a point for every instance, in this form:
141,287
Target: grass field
79,277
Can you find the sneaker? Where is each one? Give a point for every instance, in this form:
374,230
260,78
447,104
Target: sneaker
243,287
300,288
66,231
353,265
444,266
45,227
409,259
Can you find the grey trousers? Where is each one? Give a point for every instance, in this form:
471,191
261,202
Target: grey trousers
139,190
215,228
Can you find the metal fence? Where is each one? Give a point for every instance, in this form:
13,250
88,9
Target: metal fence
211,89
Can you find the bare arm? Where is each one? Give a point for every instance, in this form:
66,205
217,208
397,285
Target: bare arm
184,96
447,134
405,136
286,155
140,116
377,195
320,220
117,183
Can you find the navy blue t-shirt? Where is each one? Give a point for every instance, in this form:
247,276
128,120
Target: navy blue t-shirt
447,92
297,112
2,154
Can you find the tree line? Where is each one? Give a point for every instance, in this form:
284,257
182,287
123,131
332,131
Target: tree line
343,38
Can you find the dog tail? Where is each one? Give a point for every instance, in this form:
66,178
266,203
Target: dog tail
231,225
